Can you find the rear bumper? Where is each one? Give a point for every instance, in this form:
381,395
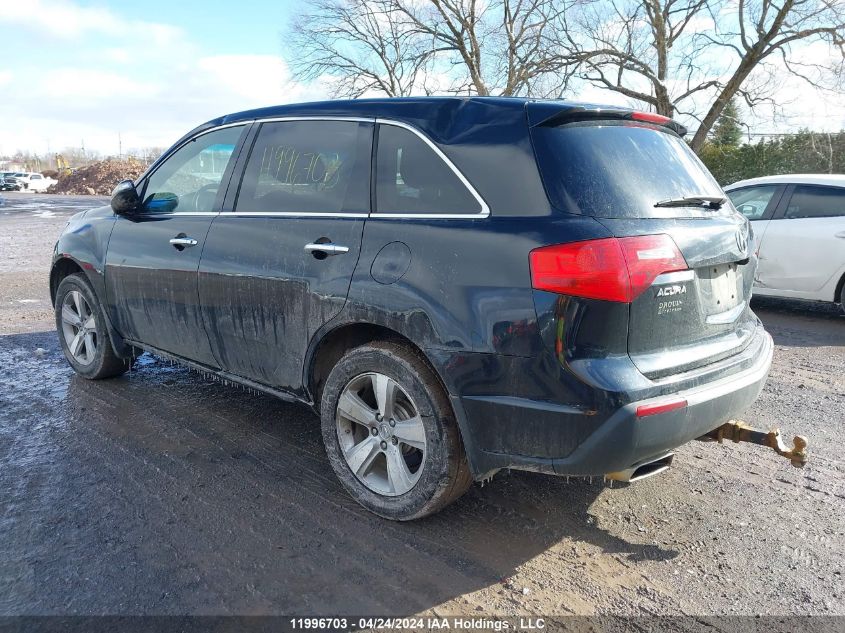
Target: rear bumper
622,440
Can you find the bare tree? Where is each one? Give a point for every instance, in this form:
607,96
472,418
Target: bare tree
361,45
693,56
402,47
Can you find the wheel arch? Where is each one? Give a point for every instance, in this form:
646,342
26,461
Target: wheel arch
327,350
62,267
837,293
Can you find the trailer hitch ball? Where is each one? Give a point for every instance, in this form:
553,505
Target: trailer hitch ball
739,431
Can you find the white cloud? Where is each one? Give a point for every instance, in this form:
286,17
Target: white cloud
89,85
67,20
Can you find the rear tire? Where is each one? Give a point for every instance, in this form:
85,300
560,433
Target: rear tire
404,470
842,299
81,327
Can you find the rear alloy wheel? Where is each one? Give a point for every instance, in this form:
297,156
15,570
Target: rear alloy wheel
381,434
390,434
82,331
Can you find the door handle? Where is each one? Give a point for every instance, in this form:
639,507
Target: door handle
328,248
182,241
841,234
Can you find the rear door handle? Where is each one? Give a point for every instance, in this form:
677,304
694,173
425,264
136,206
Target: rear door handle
841,234
181,241
328,248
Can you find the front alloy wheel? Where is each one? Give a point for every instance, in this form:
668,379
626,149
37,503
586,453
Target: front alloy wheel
83,336
79,328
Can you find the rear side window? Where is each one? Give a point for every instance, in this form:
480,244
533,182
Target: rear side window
308,167
816,202
613,169
412,179
752,202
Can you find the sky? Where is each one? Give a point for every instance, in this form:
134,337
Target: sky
74,72
106,74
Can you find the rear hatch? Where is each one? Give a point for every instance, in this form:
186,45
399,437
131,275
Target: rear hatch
606,165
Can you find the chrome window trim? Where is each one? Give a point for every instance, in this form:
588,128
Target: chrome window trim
485,210
483,213
196,213
293,214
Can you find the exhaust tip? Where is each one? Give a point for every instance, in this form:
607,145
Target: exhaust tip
642,471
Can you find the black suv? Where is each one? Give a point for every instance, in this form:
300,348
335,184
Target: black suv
456,285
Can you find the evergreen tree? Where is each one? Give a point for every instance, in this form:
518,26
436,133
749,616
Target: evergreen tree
728,131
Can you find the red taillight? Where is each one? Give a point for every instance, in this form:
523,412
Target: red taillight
650,117
612,269
645,410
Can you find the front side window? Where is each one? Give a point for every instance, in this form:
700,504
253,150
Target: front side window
752,201
411,178
816,202
189,178
308,167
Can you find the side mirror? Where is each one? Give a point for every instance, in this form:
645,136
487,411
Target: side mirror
125,198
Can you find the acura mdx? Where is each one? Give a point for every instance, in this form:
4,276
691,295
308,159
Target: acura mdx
455,285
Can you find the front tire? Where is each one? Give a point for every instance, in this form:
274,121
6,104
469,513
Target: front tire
390,434
81,326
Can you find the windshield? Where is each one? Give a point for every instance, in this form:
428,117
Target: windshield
613,169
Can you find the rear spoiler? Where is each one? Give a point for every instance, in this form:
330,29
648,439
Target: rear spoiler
582,113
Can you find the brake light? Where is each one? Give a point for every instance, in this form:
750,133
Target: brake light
650,117
611,269
645,410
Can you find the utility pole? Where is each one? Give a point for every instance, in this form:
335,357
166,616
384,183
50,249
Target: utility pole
119,147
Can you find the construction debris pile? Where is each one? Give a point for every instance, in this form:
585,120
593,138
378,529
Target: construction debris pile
98,178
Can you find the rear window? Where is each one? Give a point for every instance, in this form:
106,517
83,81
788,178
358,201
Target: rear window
620,170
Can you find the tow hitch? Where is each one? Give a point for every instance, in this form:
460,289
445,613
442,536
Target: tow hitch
739,431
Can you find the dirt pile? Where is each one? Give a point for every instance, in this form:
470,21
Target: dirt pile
99,178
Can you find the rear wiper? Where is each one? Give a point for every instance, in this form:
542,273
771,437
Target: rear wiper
709,202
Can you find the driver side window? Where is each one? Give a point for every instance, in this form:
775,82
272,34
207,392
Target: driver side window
189,178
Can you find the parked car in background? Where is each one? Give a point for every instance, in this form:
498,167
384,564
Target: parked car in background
11,182
455,285
799,224
40,183
23,178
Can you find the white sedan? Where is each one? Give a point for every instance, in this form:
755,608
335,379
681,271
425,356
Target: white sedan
799,224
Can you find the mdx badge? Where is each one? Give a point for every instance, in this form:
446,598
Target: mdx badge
669,291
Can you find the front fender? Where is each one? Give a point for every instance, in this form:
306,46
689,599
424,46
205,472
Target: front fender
82,246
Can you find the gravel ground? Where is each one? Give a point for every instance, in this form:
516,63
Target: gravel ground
164,493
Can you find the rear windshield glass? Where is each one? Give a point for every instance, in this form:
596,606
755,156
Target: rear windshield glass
620,170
